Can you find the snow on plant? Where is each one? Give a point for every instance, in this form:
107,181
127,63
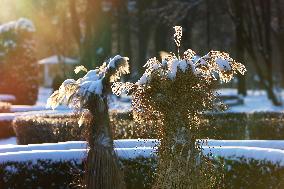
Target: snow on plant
88,95
174,93
76,93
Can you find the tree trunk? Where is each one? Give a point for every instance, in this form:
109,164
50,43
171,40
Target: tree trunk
103,170
240,50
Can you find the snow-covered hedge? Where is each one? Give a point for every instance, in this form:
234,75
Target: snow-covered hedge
47,128
228,126
28,166
139,171
236,126
58,128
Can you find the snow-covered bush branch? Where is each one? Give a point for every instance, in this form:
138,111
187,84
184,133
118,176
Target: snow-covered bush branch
76,93
174,92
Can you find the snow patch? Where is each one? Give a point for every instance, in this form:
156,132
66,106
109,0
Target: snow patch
7,98
223,64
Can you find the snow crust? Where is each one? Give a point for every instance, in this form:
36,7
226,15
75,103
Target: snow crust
223,64
144,147
71,154
144,79
275,144
123,143
233,152
113,60
7,97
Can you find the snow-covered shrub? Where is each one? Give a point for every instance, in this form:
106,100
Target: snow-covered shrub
88,95
139,174
47,129
224,126
58,128
251,173
266,125
174,93
238,126
68,174
18,65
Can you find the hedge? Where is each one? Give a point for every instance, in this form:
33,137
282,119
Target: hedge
139,174
238,126
226,126
69,174
59,128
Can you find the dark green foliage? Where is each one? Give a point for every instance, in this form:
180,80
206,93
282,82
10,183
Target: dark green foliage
266,126
60,128
43,174
138,174
225,126
251,173
238,126
47,129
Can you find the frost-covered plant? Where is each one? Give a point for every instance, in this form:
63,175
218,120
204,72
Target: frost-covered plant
174,93
19,68
88,96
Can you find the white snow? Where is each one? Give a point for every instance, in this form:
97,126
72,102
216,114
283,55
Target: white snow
8,141
7,116
132,148
27,108
232,152
71,154
25,24
223,64
275,144
133,143
96,87
7,98
123,143
183,65
20,24
112,61
143,80
255,101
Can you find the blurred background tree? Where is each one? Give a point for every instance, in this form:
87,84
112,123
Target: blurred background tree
94,30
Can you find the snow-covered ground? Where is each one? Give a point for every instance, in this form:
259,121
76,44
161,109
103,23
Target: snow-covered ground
255,101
